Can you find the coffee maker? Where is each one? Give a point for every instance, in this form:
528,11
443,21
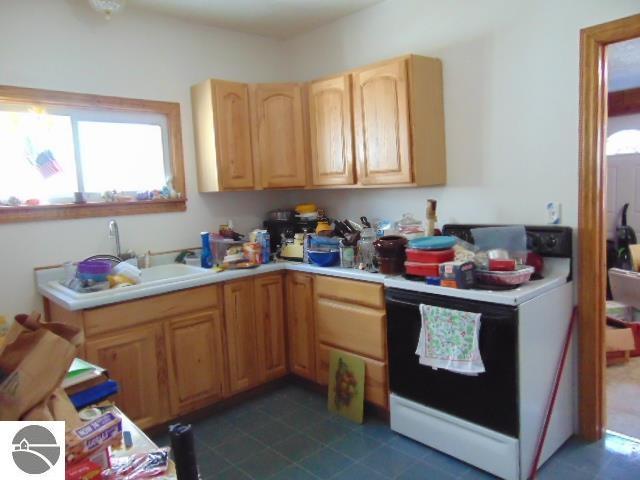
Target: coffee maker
284,238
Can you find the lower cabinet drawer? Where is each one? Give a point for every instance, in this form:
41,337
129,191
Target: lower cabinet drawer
376,388
352,327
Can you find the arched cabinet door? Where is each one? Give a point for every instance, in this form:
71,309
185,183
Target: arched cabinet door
278,133
222,130
331,128
381,120
233,138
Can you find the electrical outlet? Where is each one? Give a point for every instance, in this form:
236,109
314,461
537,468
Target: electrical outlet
553,213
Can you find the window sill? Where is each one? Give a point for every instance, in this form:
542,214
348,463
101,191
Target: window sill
10,214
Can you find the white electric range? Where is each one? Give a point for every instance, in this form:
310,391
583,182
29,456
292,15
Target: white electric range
492,420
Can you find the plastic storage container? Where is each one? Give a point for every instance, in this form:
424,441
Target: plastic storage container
422,269
517,277
430,256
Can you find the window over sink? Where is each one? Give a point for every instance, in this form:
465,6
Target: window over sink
66,155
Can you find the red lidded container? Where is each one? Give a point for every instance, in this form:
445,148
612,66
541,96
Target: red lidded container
430,256
422,269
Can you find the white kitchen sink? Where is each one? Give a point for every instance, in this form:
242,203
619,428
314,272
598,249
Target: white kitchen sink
152,279
169,271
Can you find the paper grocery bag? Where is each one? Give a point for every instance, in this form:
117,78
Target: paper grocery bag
33,362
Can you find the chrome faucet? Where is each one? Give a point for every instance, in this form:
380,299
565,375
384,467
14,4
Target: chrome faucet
115,233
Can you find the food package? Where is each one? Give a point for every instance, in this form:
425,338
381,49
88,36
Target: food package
462,273
34,360
84,470
98,434
139,466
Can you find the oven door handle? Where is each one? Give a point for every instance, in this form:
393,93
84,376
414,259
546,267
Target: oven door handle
401,302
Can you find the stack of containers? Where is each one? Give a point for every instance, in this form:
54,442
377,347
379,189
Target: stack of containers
425,255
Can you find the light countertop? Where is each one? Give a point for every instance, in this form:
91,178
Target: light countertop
48,283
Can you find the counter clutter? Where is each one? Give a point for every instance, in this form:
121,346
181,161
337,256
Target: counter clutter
407,247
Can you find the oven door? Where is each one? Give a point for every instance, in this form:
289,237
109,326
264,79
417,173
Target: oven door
489,399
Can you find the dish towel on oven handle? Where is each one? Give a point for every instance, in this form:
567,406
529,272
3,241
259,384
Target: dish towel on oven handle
449,339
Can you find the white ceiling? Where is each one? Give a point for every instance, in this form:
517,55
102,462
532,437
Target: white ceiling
624,65
273,18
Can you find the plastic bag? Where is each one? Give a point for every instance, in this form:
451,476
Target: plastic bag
511,238
138,466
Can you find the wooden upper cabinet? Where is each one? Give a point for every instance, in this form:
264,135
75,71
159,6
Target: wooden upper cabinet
301,325
240,328
270,319
330,131
134,358
279,149
196,360
399,122
222,129
381,118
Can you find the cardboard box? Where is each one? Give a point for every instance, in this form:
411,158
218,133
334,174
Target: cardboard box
98,434
619,340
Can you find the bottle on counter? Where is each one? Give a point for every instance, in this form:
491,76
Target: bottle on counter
206,257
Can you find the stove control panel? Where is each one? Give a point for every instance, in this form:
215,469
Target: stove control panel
548,241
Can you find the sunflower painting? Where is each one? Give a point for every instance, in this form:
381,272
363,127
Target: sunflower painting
346,385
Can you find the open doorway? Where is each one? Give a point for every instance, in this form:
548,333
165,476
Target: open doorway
622,158
593,227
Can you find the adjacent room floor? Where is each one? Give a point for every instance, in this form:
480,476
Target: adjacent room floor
289,434
623,392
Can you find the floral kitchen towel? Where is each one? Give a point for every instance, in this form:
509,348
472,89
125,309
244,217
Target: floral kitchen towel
449,339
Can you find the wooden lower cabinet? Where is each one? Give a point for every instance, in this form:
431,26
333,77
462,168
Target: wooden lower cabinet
351,317
196,360
136,358
376,388
301,325
240,335
270,326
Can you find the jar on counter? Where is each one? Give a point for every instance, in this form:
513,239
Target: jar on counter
366,256
347,255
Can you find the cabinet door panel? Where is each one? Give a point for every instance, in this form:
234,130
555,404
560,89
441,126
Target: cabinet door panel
330,128
196,359
269,305
233,135
300,325
381,119
278,124
240,328
135,359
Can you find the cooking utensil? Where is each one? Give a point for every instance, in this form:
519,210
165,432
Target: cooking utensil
355,226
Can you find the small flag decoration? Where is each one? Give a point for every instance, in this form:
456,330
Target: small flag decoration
47,164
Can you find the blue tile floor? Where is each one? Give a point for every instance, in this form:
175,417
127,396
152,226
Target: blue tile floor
289,434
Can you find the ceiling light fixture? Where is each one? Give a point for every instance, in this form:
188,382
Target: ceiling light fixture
107,7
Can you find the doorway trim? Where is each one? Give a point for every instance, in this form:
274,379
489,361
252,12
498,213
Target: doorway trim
592,268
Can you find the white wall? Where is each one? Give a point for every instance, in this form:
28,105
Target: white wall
511,99
623,178
65,45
